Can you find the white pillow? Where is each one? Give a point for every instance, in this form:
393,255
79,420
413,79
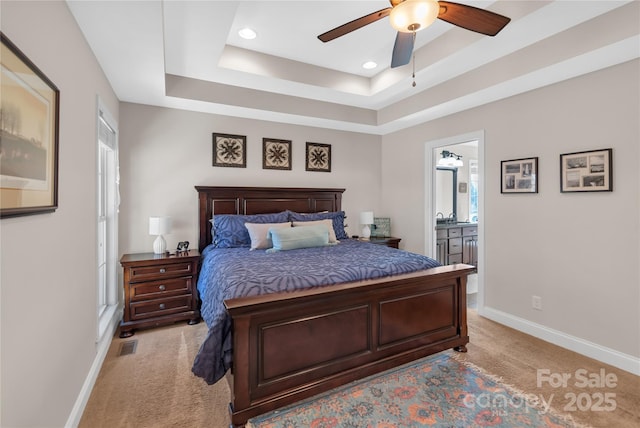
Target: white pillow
327,222
259,234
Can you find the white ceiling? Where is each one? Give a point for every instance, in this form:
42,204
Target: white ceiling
188,55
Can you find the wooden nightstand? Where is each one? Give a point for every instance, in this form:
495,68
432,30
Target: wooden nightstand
159,289
389,241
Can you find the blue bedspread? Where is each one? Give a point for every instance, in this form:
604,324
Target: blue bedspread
237,272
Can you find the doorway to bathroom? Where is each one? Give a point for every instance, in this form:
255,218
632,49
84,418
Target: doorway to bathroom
454,205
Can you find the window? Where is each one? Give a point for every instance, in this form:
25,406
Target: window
107,221
473,190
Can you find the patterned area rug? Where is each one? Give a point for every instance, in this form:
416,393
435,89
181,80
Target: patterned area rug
436,391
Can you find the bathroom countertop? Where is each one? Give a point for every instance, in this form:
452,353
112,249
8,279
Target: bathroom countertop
454,224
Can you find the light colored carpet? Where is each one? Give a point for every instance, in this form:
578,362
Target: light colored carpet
154,387
515,358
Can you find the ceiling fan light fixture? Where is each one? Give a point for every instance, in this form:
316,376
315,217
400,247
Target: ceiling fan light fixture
414,15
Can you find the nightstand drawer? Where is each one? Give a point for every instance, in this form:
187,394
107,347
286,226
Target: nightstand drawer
389,241
143,273
160,307
161,288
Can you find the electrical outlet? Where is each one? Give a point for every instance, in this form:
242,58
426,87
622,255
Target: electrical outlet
536,302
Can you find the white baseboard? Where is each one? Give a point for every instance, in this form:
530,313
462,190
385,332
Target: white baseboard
593,350
102,348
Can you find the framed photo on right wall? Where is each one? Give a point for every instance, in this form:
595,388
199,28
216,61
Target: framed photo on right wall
590,171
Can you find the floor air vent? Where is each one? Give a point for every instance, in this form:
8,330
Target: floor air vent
128,348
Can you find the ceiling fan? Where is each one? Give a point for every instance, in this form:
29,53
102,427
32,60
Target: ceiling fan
410,16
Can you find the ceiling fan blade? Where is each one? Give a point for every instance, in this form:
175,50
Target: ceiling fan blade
354,25
402,49
474,19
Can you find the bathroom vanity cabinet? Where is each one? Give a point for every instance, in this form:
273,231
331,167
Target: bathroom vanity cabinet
457,243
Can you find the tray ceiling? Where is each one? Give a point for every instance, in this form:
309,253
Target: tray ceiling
188,55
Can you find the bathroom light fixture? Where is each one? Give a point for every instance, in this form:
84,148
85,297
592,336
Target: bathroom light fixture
369,65
414,15
159,226
450,159
366,220
247,33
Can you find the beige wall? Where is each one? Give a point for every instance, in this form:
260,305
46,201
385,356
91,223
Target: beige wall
164,153
579,252
48,302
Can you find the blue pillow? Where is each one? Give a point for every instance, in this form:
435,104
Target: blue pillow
337,217
298,237
229,230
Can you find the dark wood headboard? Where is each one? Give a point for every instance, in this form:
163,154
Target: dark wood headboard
260,200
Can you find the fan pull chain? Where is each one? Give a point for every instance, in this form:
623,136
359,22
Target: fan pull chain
413,60
414,71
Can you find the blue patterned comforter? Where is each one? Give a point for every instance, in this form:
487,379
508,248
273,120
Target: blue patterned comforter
228,273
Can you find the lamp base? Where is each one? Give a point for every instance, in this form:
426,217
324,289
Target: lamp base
159,245
366,232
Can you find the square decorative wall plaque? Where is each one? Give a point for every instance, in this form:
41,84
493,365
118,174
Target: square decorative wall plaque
230,150
318,157
276,154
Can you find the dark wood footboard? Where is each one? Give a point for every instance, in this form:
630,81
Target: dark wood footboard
288,347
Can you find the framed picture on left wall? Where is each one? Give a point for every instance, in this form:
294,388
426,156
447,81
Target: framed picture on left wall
230,150
29,123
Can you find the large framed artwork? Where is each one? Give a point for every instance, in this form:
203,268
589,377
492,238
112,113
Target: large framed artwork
318,157
590,171
519,176
276,154
230,150
29,123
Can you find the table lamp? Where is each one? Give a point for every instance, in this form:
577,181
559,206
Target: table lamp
159,226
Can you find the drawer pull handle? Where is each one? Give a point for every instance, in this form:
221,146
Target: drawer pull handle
162,287
162,270
162,306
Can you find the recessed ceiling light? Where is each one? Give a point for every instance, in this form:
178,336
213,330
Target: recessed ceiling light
247,33
369,65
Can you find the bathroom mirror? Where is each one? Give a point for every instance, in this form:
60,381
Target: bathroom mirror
446,193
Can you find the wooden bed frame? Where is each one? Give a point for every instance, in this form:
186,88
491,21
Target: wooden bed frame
292,346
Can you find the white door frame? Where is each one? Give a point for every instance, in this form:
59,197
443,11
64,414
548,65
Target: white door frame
430,200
